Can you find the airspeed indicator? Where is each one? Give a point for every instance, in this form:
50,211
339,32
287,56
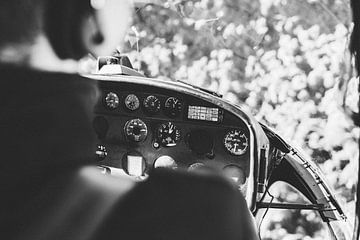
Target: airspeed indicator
236,142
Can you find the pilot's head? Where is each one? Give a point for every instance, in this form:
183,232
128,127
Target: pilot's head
60,29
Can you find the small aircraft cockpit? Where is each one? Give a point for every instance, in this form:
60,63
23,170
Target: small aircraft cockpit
211,120
143,123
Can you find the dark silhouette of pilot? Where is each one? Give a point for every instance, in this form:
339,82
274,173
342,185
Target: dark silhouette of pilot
49,186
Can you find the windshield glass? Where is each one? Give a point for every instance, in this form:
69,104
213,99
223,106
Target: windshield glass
287,60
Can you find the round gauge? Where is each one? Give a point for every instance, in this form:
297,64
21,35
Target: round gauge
165,162
136,130
168,134
152,104
173,107
112,100
236,142
235,173
132,102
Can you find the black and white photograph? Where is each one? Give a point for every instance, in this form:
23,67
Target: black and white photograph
179,119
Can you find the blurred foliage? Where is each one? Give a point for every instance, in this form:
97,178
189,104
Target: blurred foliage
287,60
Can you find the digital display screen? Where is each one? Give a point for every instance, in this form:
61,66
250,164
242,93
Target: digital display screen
204,114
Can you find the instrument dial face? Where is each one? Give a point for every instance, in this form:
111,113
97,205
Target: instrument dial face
168,134
112,100
152,104
236,142
132,102
173,107
136,130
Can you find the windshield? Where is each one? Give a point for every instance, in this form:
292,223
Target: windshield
287,60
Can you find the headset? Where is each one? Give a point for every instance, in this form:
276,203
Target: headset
62,24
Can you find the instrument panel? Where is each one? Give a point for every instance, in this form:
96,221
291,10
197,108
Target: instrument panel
141,127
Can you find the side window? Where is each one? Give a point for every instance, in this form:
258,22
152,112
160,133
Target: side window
289,224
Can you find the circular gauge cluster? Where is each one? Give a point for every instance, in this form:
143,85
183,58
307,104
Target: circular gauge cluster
236,142
151,104
168,134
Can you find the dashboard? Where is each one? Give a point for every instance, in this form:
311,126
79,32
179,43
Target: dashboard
141,127
144,123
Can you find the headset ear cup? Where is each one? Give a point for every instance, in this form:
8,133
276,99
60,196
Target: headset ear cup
63,23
